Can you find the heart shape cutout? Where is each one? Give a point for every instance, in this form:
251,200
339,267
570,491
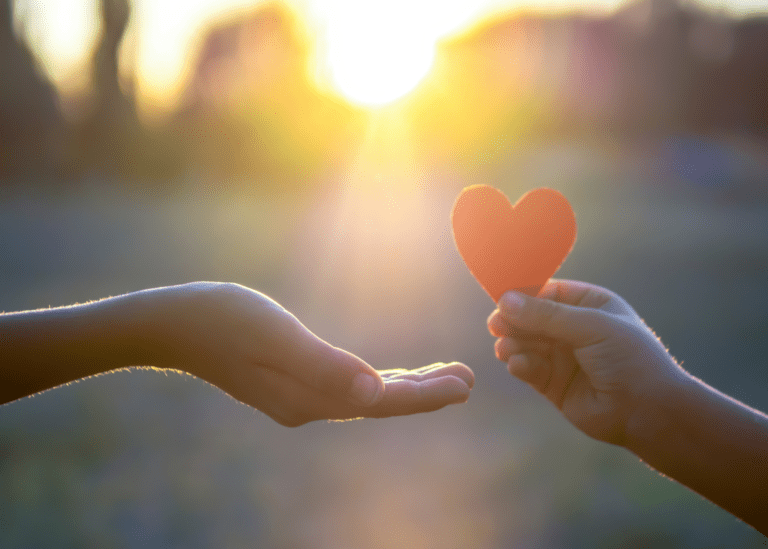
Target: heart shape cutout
512,247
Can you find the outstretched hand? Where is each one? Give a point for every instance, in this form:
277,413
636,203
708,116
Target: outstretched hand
252,348
229,335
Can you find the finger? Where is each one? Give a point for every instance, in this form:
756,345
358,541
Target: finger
540,373
394,371
407,396
290,402
331,370
577,326
499,327
427,368
532,368
583,294
508,346
562,377
434,371
496,324
571,292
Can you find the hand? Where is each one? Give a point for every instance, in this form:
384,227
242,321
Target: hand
586,350
259,353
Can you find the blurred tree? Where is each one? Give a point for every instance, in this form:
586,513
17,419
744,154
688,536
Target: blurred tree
250,107
110,140
30,125
111,102
104,139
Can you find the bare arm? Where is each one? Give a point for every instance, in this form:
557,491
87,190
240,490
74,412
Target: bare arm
48,347
709,442
231,336
592,356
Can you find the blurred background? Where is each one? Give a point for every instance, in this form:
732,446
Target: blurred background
312,150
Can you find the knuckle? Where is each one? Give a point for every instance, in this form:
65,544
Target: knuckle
548,313
291,326
288,331
593,295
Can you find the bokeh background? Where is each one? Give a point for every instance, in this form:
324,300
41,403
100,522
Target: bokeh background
152,144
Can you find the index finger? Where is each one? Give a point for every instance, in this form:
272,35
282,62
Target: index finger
584,294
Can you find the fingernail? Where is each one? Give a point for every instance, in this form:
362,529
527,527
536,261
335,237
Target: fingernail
365,389
511,303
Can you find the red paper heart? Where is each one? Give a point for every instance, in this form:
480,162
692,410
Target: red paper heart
512,247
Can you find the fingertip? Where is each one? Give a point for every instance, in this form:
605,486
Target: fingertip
495,323
502,348
413,396
471,382
447,388
365,384
516,365
464,373
511,303
367,388
452,389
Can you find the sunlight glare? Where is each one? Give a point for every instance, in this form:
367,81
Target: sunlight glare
376,52
62,34
373,51
169,31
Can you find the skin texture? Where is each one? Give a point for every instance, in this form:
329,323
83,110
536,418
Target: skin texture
231,336
589,353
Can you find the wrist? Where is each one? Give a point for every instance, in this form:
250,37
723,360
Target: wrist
173,324
656,416
154,328
124,331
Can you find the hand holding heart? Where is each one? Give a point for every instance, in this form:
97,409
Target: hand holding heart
586,350
581,346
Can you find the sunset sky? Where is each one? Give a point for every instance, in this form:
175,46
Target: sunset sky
353,37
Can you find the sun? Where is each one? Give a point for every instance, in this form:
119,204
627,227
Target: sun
377,68
375,52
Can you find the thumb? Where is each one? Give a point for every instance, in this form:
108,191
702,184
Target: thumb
331,370
576,326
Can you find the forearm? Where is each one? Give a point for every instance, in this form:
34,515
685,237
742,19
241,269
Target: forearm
49,347
709,442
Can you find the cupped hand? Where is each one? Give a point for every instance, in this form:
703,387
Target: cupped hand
586,350
259,353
